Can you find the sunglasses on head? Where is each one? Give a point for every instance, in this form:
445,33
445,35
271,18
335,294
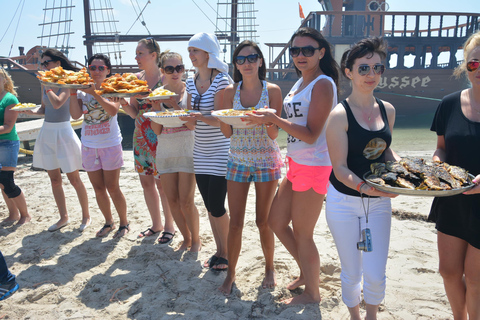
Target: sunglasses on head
94,68
170,69
153,42
252,58
196,102
307,51
473,65
46,62
364,69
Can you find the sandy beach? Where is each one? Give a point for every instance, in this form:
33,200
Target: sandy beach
72,275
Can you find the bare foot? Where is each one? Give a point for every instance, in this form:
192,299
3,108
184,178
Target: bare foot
184,246
226,287
10,219
296,283
304,298
196,247
24,220
270,280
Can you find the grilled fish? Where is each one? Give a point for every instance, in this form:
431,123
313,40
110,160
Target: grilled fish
376,179
394,166
404,183
459,173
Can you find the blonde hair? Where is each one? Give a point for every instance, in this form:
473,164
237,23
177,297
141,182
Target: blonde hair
9,86
472,42
152,46
165,55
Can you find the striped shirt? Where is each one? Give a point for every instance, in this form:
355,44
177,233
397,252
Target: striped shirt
210,151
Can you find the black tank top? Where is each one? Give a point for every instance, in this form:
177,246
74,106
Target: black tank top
364,147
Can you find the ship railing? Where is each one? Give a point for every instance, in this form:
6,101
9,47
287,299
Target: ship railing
9,64
343,27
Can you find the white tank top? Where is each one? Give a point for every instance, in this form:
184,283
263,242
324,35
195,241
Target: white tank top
296,108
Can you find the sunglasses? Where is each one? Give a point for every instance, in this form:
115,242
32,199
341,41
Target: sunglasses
307,51
94,68
473,65
252,58
170,69
153,42
364,69
196,102
46,62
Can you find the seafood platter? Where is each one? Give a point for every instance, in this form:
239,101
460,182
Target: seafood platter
419,177
169,119
234,117
24,106
67,79
161,94
123,86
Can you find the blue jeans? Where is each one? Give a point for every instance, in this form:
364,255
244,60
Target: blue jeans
5,275
9,153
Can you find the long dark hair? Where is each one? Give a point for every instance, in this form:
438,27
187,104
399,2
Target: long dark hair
365,47
57,55
262,70
327,64
104,58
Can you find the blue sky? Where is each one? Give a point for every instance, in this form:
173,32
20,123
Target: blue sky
276,20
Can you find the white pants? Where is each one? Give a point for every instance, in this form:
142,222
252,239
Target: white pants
346,220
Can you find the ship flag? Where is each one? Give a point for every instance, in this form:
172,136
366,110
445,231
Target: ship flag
300,11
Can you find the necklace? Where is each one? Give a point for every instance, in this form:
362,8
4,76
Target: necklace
369,117
198,75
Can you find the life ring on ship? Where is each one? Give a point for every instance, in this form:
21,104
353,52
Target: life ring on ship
384,6
373,5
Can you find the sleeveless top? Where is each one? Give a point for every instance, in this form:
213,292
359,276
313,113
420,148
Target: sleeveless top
252,146
183,104
210,151
61,114
99,129
364,147
6,101
296,108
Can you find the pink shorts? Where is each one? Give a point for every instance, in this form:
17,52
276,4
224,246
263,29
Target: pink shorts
94,159
305,177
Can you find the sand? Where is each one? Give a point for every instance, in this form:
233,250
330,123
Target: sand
72,275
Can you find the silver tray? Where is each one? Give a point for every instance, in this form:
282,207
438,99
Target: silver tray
66,86
123,94
418,193
161,97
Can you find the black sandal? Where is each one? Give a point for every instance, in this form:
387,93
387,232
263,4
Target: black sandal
105,226
117,234
143,234
166,237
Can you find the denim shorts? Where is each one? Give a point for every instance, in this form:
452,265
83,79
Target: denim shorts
241,173
9,153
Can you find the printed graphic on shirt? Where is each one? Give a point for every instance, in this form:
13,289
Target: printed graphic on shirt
292,111
96,119
374,148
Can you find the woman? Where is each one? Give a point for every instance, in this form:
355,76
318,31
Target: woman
102,155
210,152
145,140
356,126
457,218
254,156
9,146
57,147
174,158
300,196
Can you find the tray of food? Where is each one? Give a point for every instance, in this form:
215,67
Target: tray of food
419,177
161,94
123,86
168,119
67,79
234,117
24,106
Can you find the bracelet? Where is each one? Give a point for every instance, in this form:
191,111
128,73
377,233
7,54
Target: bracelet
359,186
123,105
48,90
73,94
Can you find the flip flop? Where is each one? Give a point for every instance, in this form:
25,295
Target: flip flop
105,226
211,262
220,261
143,234
119,234
165,238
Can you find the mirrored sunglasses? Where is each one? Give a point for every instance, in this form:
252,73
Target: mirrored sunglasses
364,69
473,65
170,69
94,68
252,58
307,51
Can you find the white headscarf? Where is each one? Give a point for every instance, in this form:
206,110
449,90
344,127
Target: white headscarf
208,42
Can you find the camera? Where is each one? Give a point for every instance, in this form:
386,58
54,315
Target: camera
366,243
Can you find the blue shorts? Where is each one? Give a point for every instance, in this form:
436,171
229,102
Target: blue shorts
242,173
9,153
